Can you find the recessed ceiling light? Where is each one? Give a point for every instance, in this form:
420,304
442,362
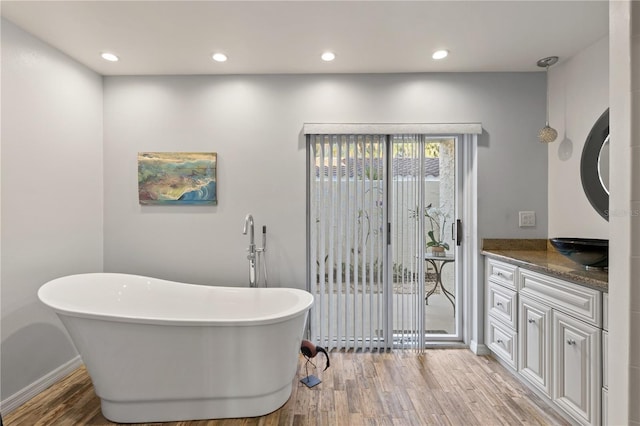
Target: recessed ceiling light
440,54
328,56
109,57
219,57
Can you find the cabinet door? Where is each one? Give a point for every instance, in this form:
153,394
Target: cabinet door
576,368
535,344
605,406
605,359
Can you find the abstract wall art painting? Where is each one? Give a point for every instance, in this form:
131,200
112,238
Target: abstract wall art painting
177,178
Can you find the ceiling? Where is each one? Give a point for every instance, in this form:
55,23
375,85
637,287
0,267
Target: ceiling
265,37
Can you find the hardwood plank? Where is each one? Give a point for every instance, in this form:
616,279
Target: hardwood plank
437,387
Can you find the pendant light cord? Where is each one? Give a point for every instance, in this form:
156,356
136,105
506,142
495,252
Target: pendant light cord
547,75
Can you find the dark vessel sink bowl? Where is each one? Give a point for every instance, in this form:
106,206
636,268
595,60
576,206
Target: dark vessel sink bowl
588,252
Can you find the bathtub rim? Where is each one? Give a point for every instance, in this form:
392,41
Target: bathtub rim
301,308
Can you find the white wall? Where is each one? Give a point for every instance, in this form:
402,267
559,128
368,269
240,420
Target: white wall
578,95
254,124
51,197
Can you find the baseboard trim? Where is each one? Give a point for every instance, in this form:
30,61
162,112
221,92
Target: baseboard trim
445,345
479,349
24,395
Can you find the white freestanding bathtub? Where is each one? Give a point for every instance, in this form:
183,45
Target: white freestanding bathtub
163,351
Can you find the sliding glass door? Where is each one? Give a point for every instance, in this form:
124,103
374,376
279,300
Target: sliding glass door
382,249
423,249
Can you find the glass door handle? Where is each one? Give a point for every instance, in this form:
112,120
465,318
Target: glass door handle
456,232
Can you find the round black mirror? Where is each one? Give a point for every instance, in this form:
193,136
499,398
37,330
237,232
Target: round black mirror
594,166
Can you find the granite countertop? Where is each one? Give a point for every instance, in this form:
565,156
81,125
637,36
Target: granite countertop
538,255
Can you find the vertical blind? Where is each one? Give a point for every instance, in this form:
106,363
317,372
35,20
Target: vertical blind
368,283
407,257
347,226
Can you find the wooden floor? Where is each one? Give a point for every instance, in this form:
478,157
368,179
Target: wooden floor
440,386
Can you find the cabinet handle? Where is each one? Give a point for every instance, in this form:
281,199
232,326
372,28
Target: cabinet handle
571,342
499,273
499,304
531,320
499,341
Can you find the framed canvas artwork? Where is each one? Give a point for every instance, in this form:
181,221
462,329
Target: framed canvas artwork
177,178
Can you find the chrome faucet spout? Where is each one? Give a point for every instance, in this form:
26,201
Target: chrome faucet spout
248,222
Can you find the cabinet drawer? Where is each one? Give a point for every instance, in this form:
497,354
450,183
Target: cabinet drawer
502,304
503,342
581,302
502,273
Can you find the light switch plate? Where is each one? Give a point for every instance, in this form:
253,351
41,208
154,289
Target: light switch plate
527,219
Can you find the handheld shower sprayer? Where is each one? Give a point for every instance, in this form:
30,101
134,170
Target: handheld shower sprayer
263,252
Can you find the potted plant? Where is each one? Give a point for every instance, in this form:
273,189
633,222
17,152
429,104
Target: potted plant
435,240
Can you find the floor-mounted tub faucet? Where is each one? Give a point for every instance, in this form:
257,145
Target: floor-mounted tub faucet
248,223
255,253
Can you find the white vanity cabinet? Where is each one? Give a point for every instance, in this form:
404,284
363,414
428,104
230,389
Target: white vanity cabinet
556,334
